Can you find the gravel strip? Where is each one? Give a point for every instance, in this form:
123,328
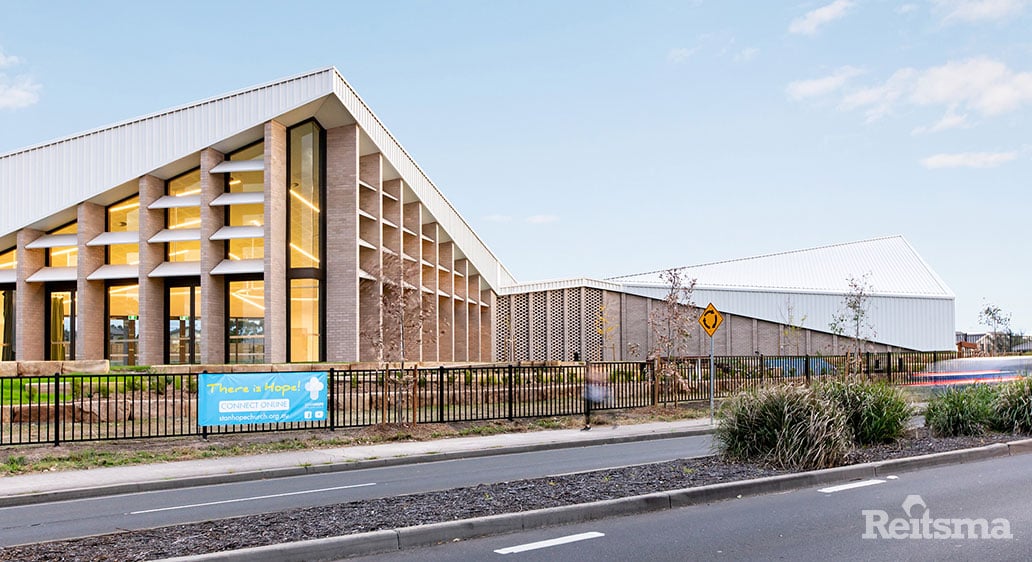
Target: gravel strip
434,507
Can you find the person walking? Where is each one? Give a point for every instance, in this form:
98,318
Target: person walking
595,392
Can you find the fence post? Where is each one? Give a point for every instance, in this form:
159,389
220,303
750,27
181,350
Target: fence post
331,393
655,381
57,410
204,428
512,395
440,394
806,368
888,366
867,357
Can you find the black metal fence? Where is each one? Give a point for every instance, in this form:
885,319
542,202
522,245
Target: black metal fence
63,408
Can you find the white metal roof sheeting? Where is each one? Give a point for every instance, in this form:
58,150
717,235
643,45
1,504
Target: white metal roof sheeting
78,168
557,284
115,272
241,198
109,238
177,269
176,201
176,235
48,274
890,264
230,267
54,241
908,322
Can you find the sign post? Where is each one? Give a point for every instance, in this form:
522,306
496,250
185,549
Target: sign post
711,319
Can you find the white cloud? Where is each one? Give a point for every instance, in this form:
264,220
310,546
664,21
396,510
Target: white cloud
808,24
906,9
680,55
746,55
973,11
7,61
542,219
979,85
949,121
968,160
20,92
498,218
802,89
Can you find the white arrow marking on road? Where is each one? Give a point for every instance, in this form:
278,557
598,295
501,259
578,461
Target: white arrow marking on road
551,542
251,498
851,485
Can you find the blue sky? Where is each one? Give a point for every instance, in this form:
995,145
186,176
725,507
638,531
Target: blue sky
597,138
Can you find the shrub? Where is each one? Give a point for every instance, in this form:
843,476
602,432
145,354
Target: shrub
783,426
1012,407
876,412
961,411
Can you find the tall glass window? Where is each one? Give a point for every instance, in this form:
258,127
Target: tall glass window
7,323
61,324
247,215
123,323
124,216
246,326
184,324
9,259
66,256
305,240
184,217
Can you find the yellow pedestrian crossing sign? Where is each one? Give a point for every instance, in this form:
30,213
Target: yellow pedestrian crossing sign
711,319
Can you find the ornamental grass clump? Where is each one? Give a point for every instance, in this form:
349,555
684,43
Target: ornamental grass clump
876,412
962,411
783,426
1012,407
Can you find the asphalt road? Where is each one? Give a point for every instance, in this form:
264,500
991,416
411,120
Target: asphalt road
826,523
70,519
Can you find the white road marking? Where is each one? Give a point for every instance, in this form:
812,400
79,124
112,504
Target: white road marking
250,498
851,485
551,542
891,477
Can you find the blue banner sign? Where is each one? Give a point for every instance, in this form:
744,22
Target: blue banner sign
242,398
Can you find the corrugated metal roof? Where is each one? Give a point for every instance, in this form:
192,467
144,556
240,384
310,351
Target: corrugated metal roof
890,264
87,165
556,284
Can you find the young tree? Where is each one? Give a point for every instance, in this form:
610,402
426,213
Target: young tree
792,329
852,319
998,322
605,327
671,323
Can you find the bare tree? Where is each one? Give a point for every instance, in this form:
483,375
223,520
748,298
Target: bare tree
672,322
791,329
605,328
1000,335
852,320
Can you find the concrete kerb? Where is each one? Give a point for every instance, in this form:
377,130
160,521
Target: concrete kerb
437,533
286,472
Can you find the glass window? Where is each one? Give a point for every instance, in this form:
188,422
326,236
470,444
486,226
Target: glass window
7,323
247,182
61,327
184,251
246,326
304,320
184,324
255,151
305,196
247,215
186,184
247,249
9,259
124,254
185,217
124,216
65,256
123,323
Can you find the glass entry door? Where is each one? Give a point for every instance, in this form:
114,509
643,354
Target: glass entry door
184,324
60,324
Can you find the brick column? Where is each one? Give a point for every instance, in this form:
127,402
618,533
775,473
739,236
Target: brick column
213,287
341,258
152,289
446,309
370,311
488,325
90,317
30,303
276,288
